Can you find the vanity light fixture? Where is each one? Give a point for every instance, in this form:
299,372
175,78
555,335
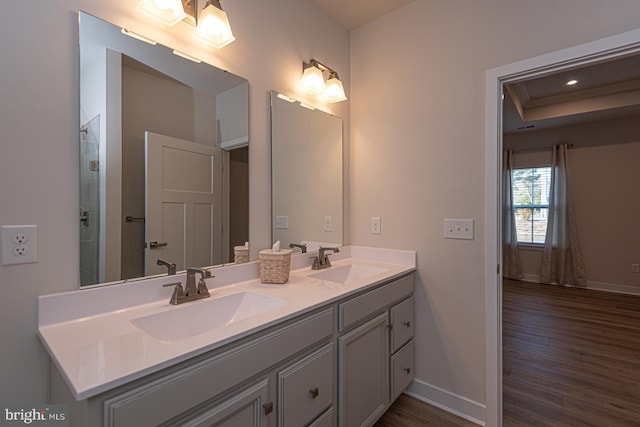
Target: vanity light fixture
213,25
138,37
169,12
334,91
313,82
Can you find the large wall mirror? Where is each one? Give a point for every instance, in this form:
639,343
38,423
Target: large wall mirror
163,158
306,156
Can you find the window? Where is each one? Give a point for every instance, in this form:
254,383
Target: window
531,203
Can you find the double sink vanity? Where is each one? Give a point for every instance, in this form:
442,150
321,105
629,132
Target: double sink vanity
329,347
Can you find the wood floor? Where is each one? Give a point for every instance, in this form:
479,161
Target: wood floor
410,412
571,357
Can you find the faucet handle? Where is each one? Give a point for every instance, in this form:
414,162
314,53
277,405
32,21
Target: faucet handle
202,287
178,292
204,272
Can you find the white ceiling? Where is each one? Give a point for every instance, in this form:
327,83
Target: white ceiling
606,90
352,14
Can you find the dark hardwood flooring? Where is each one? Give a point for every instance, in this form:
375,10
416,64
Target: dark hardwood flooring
571,357
407,411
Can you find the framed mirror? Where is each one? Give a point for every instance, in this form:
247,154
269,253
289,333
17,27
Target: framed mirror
306,168
163,157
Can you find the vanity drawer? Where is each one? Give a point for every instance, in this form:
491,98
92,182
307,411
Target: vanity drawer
402,324
402,367
373,302
324,420
208,378
305,389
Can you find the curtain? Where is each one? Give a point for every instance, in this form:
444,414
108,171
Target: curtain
562,260
511,268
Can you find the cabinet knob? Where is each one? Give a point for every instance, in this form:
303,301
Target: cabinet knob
314,392
407,324
407,370
268,408
390,326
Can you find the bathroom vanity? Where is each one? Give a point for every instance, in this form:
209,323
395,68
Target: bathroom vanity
330,347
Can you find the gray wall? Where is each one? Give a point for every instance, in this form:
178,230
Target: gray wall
417,138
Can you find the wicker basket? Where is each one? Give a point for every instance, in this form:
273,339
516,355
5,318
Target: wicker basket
241,254
275,266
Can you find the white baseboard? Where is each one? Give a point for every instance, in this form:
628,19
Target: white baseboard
596,286
447,401
612,287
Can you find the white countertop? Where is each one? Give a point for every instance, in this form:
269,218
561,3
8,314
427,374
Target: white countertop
90,337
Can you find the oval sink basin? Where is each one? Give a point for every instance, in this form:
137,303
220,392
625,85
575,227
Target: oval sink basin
198,317
348,274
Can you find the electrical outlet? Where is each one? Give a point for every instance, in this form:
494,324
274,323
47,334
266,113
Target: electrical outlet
635,268
19,244
375,225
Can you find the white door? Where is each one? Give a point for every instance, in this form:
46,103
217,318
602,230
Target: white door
183,212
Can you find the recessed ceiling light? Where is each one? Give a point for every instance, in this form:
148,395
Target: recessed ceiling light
572,82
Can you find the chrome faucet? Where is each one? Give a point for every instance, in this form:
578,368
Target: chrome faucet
192,291
171,266
322,260
302,247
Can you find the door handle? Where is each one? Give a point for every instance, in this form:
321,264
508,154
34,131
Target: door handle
155,245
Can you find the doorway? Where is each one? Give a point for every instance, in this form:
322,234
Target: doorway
605,49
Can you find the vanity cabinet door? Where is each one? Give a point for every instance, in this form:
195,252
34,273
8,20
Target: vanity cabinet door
305,389
363,355
247,408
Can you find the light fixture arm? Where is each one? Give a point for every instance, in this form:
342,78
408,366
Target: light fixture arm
315,63
191,9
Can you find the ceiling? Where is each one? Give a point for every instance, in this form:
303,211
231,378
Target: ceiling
605,90
352,14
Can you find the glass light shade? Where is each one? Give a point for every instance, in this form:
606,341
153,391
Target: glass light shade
169,12
334,91
213,27
312,80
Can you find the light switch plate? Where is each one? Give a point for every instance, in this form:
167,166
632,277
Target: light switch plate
458,229
282,222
